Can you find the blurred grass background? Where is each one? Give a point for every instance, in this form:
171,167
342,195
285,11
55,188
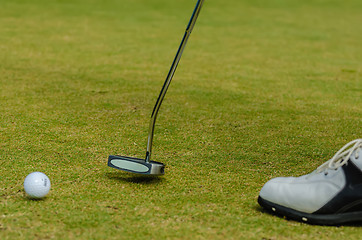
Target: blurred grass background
264,89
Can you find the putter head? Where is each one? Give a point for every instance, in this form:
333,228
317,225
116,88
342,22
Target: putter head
136,165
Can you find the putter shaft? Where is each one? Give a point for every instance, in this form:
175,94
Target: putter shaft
170,74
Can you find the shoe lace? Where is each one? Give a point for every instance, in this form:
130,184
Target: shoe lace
342,156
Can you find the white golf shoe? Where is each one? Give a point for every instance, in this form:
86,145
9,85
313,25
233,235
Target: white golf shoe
330,195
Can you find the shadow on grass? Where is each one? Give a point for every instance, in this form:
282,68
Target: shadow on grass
29,199
259,209
135,178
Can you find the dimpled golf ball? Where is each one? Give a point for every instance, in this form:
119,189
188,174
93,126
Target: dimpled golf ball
37,185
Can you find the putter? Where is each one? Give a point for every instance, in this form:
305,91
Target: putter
146,166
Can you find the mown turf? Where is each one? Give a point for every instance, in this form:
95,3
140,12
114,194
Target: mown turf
264,89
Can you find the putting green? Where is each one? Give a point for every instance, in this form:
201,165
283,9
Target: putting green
263,89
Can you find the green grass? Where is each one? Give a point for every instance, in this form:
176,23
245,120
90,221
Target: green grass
264,89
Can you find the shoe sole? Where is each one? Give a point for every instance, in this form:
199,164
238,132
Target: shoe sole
310,218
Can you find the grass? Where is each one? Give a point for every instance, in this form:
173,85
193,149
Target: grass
264,89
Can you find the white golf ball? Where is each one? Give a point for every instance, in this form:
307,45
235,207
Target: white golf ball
37,185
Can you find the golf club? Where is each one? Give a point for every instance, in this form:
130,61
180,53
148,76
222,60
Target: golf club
146,166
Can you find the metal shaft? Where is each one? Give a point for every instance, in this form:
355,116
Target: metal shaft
170,74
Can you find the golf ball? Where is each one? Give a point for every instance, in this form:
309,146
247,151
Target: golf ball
37,185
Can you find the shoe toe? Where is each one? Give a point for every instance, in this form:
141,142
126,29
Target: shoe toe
307,193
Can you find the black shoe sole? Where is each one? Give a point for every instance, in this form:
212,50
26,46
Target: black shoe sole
310,218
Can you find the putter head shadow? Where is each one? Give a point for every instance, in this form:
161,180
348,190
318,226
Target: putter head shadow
136,165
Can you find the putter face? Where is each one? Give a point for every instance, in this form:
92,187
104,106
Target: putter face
136,165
